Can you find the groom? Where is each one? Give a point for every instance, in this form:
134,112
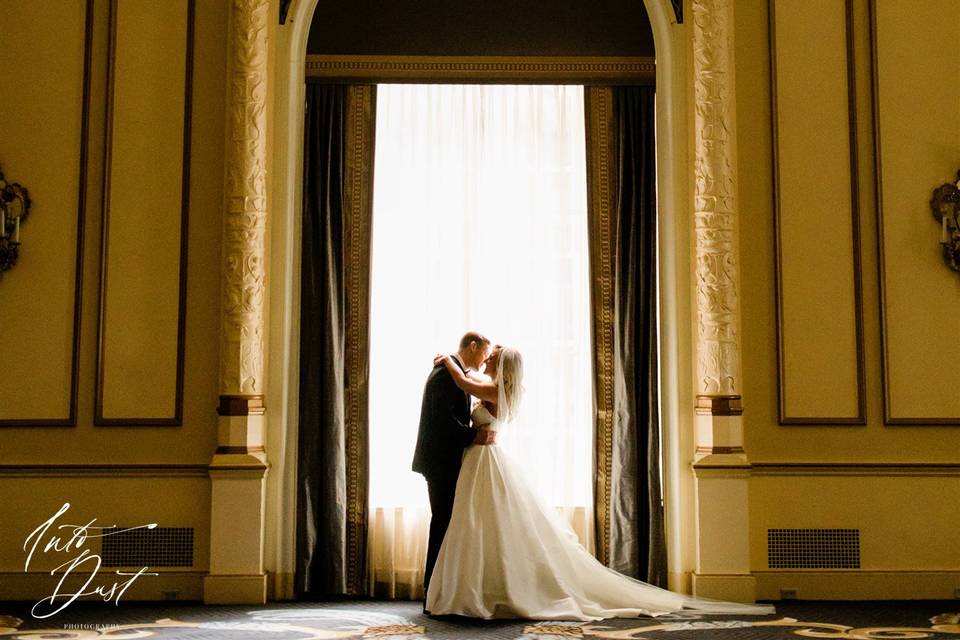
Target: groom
444,433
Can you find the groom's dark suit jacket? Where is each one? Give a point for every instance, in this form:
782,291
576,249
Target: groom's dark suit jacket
444,427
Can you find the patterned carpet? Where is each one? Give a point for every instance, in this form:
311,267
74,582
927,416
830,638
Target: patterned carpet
404,620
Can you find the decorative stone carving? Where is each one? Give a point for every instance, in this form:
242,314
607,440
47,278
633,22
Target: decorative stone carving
718,353
241,348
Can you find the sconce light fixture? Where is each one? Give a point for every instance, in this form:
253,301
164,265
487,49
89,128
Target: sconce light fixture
14,206
946,210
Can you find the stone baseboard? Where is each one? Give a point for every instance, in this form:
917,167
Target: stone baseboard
168,586
729,587
235,589
858,585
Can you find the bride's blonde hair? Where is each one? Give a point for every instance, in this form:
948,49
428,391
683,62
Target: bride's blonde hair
509,383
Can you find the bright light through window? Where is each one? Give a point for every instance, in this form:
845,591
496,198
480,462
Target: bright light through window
479,222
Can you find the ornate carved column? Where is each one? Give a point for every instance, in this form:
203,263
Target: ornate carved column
721,468
238,468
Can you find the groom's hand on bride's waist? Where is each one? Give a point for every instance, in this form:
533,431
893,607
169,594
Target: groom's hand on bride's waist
485,436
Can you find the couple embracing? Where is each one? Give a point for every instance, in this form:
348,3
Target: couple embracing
495,551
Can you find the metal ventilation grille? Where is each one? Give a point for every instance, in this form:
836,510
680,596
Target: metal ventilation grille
813,548
159,547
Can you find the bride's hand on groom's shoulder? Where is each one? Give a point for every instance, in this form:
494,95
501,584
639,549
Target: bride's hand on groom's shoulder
438,359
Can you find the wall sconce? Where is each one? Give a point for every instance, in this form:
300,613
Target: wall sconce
14,206
946,210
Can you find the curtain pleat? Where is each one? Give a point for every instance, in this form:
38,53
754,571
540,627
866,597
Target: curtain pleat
637,545
321,470
396,552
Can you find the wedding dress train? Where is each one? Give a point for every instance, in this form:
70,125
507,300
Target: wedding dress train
506,555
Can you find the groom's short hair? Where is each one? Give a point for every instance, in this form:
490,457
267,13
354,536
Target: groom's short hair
473,336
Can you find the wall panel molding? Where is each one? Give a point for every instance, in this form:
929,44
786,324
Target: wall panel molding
920,358
130,337
106,470
71,419
816,204
867,469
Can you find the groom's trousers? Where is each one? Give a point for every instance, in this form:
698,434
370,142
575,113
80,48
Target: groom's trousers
441,491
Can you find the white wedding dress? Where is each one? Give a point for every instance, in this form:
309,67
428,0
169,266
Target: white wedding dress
506,555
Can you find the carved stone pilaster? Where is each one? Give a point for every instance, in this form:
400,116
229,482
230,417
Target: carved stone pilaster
718,353
721,469
237,471
244,226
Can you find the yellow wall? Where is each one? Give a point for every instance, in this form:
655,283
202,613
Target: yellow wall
873,476
902,504
40,137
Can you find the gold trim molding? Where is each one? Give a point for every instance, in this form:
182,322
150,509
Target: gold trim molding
486,69
601,150
361,113
244,220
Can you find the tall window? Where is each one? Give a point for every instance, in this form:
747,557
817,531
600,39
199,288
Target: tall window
479,222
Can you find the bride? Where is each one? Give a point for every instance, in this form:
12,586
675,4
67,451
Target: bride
506,555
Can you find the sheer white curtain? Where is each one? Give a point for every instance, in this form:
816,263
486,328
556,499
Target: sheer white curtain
479,222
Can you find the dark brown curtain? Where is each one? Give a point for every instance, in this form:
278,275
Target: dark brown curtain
321,567
637,545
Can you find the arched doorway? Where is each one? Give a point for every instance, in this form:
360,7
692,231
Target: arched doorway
676,362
